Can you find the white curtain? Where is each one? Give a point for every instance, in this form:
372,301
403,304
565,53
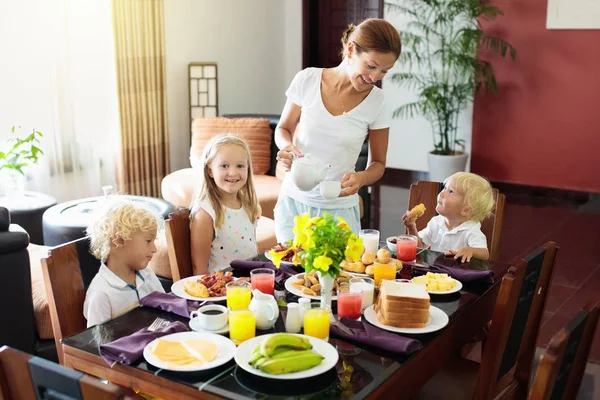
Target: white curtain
57,75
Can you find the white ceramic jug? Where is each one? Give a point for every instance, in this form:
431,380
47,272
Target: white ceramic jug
308,171
264,307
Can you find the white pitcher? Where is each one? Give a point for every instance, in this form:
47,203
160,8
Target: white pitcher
264,307
308,171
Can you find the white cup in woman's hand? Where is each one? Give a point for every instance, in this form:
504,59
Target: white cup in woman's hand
330,189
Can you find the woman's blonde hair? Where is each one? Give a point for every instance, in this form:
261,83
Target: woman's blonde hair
119,219
477,192
208,189
373,34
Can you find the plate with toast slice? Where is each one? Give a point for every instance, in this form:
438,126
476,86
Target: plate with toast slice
437,320
405,307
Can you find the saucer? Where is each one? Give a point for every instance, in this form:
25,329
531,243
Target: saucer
195,325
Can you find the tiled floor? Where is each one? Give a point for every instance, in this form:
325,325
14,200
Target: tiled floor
575,229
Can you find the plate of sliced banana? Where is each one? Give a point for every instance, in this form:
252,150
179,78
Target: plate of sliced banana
286,356
307,284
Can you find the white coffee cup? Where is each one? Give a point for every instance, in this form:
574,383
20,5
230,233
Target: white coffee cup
212,317
330,189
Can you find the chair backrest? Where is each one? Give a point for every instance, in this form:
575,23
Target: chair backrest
23,376
177,232
426,192
64,273
562,365
508,354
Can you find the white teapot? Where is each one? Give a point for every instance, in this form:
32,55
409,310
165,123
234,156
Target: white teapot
308,171
264,307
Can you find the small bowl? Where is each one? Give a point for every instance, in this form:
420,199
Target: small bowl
392,245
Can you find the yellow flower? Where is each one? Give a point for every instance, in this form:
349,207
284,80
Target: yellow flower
343,224
277,256
301,222
304,239
297,259
322,263
354,248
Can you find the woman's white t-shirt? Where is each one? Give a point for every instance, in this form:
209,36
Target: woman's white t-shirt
335,140
235,239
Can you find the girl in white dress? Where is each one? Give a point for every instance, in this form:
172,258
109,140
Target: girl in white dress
224,210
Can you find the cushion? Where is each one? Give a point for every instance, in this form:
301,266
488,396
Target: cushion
255,131
160,260
265,234
38,291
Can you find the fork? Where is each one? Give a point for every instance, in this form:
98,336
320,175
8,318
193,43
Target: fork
158,324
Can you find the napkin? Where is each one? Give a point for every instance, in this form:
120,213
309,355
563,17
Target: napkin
365,333
449,265
169,302
281,273
129,349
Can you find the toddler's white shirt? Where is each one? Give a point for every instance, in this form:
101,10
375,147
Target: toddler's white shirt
439,238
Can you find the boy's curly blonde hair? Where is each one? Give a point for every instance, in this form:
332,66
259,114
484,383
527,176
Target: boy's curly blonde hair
477,192
119,219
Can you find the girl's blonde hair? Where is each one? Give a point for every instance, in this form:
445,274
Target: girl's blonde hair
119,219
208,189
477,192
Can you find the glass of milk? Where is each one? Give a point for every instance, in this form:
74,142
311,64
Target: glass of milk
367,286
370,239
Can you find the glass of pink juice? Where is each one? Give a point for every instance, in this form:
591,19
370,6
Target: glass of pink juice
349,302
406,247
263,279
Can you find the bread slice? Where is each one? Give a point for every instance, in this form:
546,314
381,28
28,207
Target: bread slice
403,304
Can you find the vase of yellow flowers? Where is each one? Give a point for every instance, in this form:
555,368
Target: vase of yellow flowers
322,243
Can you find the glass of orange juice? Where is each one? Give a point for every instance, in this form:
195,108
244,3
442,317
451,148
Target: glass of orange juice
242,325
316,321
384,272
238,295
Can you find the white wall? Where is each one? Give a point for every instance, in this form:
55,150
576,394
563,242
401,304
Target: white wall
412,139
256,44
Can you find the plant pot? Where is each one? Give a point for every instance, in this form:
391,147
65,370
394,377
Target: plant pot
12,183
442,166
326,282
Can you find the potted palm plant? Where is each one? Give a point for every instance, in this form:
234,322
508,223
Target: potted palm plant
19,153
440,46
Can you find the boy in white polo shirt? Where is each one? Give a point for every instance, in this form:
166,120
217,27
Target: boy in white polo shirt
465,201
122,236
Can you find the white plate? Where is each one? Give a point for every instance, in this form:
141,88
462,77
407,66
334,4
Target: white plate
455,289
292,289
437,320
282,262
244,351
195,325
178,290
226,351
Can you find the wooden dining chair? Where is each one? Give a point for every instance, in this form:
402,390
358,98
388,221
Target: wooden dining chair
68,271
23,376
426,192
177,232
562,365
507,357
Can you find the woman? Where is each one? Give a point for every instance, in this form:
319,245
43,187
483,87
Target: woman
334,110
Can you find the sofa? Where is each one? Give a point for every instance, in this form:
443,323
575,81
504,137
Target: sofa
178,187
18,320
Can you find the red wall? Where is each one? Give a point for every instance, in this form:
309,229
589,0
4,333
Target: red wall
543,127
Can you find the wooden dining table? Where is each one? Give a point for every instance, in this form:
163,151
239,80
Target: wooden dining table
361,372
